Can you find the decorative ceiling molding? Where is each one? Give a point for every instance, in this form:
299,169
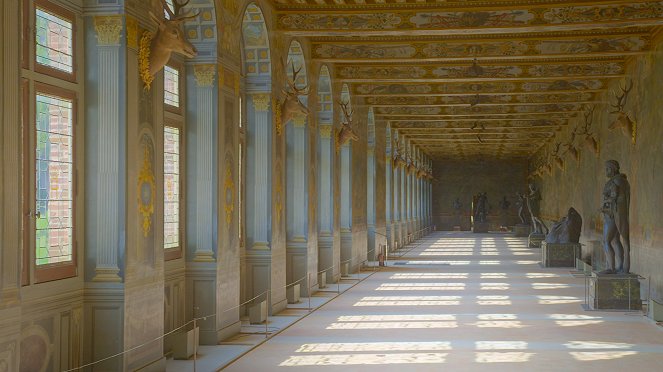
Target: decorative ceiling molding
465,79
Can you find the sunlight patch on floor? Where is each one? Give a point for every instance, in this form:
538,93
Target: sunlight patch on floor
364,359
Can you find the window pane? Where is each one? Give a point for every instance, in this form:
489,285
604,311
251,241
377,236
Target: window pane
54,180
171,179
54,42
171,84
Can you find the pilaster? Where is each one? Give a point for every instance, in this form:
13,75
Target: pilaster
107,171
203,124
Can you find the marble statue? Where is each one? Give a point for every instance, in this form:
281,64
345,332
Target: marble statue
457,205
566,230
482,208
521,203
504,204
534,207
615,208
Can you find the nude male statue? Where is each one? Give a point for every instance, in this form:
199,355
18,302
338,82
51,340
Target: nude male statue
616,200
534,206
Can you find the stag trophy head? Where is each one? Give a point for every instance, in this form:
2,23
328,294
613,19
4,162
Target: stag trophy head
590,141
346,133
557,158
169,37
291,106
623,120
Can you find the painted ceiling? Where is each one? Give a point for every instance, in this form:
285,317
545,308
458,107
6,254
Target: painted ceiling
475,78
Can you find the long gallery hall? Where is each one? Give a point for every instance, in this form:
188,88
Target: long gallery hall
462,301
258,185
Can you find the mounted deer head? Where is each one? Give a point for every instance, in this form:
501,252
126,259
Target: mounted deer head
346,133
623,120
291,106
571,147
170,37
590,141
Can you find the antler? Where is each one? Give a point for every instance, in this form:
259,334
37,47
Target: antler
175,14
589,117
346,114
293,84
621,99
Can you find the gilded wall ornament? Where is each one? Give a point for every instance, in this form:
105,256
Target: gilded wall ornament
144,60
146,190
132,32
229,191
278,123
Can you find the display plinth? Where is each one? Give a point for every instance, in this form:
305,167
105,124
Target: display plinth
521,231
480,227
534,240
559,254
614,292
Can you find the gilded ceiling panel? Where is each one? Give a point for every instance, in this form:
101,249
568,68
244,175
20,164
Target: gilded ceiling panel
477,71
459,49
452,22
475,78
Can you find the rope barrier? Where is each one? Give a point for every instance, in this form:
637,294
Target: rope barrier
193,321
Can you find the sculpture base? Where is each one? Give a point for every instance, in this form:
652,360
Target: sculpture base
521,230
456,228
480,227
614,292
534,240
559,254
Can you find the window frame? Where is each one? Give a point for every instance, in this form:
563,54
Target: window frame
62,13
59,270
170,108
241,155
173,121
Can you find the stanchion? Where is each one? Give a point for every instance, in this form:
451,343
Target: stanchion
267,317
195,344
310,294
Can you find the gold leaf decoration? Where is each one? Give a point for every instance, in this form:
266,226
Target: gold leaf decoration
229,190
146,190
144,59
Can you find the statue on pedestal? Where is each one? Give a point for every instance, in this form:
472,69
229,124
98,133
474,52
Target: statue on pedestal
504,204
522,201
482,208
615,208
534,206
457,205
566,230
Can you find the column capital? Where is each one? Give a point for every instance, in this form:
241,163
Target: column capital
205,74
299,121
260,101
325,130
108,29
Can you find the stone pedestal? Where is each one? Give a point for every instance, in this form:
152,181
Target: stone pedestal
521,230
614,292
480,227
456,228
534,240
559,254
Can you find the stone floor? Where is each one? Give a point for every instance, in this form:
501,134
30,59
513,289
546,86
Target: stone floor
463,302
